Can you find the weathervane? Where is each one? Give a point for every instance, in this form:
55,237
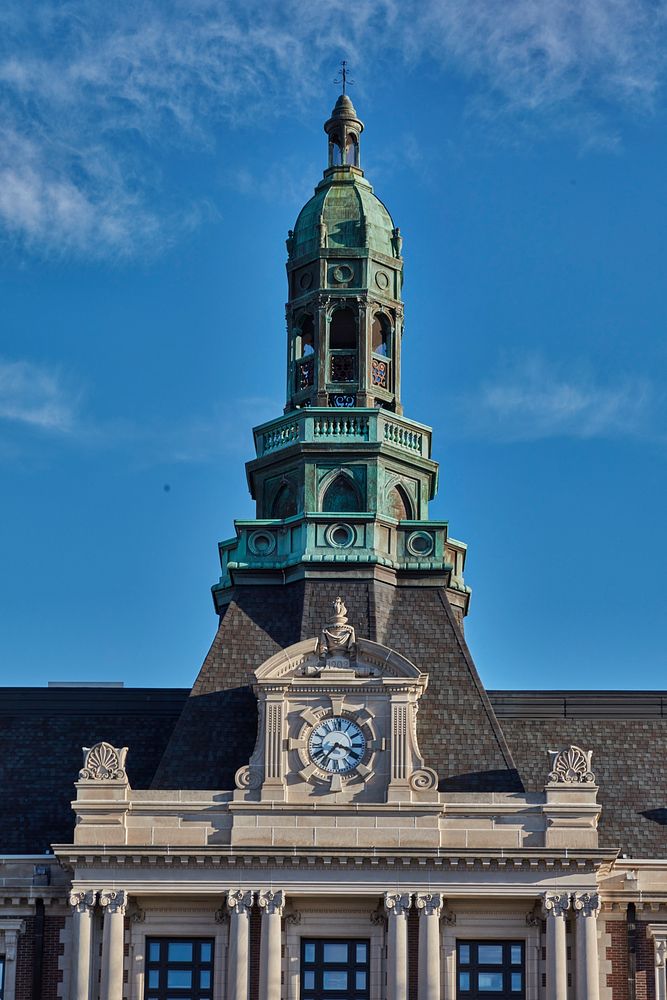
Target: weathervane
343,76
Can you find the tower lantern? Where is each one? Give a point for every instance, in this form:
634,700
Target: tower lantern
344,311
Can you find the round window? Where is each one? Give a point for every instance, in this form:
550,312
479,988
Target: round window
343,273
420,543
340,536
261,543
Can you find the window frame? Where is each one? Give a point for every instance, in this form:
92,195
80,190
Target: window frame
506,967
319,967
163,965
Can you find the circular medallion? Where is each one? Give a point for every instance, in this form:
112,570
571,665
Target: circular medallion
337,745
341,536
306,280
261,543
343,273
382,280
420,543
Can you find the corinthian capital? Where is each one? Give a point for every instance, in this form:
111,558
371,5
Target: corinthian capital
82,901
428,903
113,900
271,900
555,904
239,900
397,902
586,904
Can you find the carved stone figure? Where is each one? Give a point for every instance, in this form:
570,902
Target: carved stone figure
337,638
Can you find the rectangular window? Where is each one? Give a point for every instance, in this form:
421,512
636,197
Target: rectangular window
491,969
335,970
178,969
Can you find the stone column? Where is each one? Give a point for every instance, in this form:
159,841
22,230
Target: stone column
114,903
659,934
555,908
429,905
270,964
239,902
83,904
397,905
586,907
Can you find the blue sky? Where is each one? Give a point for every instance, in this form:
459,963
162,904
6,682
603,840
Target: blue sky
153,156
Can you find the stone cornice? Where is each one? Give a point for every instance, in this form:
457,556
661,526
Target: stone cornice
214,857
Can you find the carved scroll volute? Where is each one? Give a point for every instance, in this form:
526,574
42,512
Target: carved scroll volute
103,762
410,778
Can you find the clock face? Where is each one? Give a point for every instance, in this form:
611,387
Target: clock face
337,745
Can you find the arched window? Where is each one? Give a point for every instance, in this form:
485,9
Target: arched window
305,338
381,335
336,155
284,503
398,504
343,330
352,151
341,495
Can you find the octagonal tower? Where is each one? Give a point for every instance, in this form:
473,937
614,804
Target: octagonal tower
342,480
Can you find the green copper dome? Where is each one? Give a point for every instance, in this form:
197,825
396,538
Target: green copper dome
351,214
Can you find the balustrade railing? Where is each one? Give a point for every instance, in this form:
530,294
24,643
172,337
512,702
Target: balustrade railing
340,424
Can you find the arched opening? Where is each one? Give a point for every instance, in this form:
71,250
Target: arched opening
381,335
398,504
336,155
352,151
343,330
305,337
284,502
341,495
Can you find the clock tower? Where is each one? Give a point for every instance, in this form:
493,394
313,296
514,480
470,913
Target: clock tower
342,482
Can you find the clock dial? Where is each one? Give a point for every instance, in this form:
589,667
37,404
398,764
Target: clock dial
337,745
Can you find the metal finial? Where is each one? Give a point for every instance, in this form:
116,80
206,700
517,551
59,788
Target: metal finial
343,78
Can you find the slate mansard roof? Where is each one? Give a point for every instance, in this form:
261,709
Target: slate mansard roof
42,731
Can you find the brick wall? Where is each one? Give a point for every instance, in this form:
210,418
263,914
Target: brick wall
413,952
25,959
645,964
255,934
617,954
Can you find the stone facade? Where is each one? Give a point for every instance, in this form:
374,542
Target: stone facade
338,808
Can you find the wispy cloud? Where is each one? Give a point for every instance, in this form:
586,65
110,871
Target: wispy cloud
36,397
92,94
533,400
40,402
